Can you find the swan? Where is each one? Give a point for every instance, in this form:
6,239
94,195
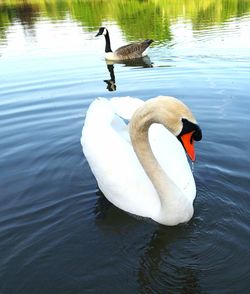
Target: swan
141,167
130,51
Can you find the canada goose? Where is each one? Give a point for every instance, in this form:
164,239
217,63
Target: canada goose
142,167
130,51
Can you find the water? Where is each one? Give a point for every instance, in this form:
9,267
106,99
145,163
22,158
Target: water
58,234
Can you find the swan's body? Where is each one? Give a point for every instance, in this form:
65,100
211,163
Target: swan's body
151,182
130,51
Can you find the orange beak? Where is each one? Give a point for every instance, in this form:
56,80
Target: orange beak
188,144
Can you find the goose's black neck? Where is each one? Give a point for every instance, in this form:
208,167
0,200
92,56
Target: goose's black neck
107,47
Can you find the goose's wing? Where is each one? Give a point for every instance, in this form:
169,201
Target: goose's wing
133,49
107,147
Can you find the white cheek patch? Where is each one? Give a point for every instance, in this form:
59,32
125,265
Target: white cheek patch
104,32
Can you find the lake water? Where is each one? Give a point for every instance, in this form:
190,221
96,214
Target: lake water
58,233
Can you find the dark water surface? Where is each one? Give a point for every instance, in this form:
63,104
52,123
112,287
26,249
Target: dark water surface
58,234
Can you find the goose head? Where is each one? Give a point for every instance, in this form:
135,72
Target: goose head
102,31
176,117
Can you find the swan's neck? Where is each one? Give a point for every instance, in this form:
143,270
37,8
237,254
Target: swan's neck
139,127
169,194
107,46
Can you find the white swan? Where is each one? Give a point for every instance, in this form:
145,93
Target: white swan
142,167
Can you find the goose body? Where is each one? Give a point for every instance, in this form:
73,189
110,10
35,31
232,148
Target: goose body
141,167
130,51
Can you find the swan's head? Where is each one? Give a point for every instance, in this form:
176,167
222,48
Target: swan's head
181,122
177,118
190,132
102,31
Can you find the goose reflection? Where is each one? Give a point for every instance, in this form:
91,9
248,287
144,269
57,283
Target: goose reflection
143,62
111,86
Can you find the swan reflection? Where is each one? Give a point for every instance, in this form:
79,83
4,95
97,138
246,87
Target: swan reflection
143,62
159,262
159,267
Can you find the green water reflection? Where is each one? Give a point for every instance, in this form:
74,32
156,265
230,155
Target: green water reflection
137,19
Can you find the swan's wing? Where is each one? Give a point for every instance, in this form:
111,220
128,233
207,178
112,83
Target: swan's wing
125,106
172,158
167,149
111,157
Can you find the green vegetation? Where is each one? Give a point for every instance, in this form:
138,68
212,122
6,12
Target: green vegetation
136,18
